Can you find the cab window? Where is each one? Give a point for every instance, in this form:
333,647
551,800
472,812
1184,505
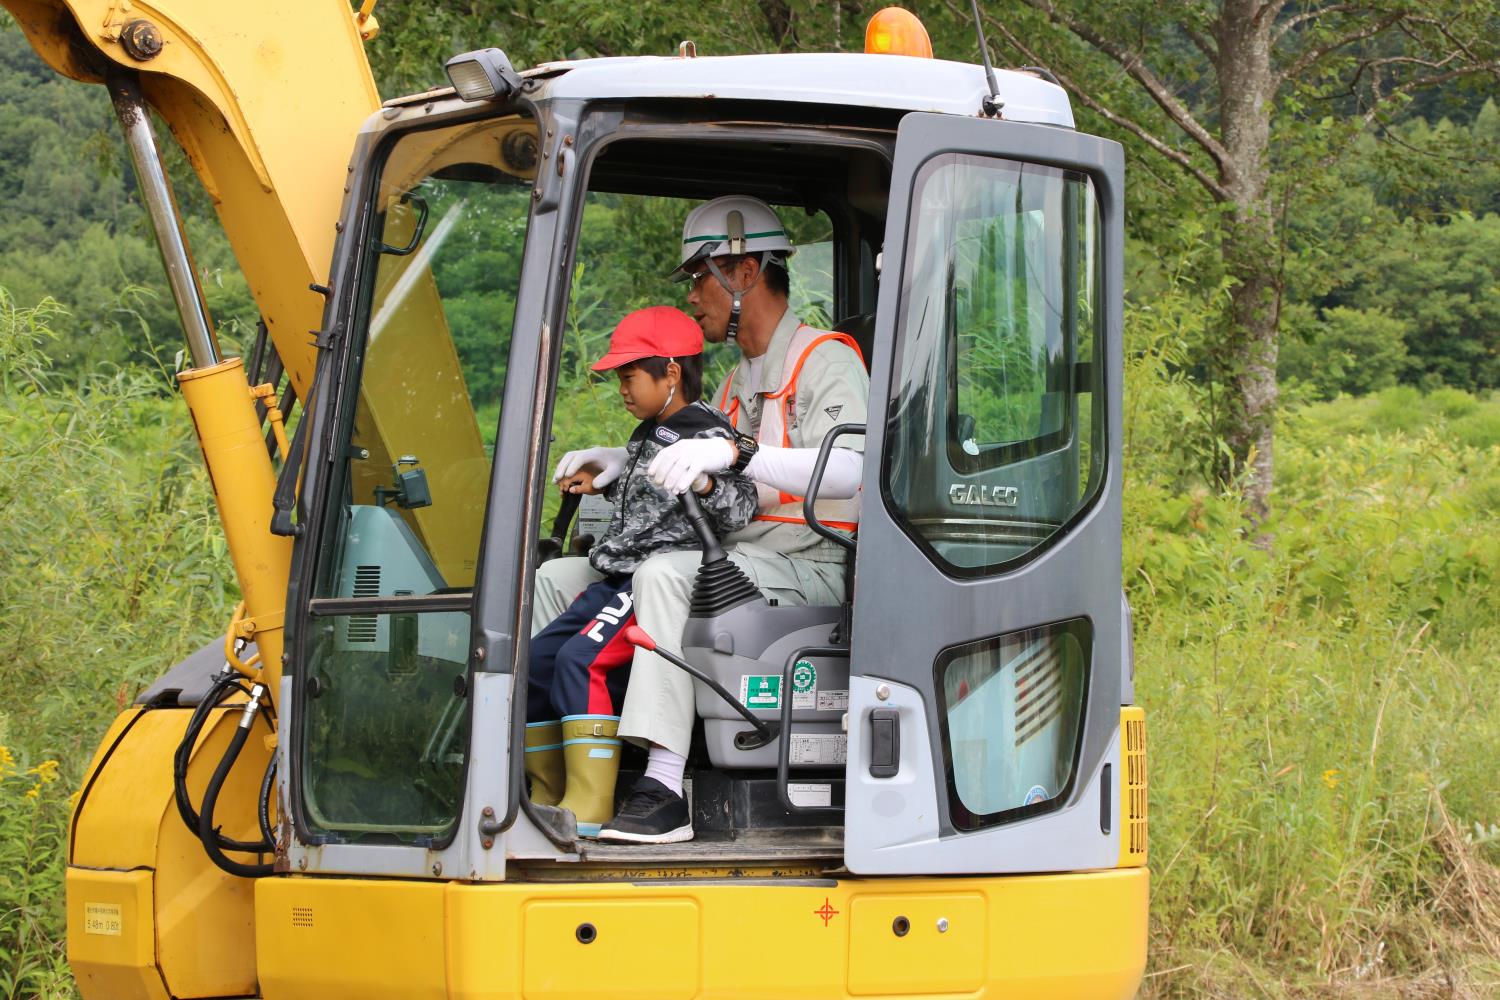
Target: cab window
384,727
627,244
996,438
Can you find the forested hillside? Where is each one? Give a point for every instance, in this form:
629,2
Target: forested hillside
1320,675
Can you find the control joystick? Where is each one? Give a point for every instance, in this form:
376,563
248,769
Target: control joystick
720,585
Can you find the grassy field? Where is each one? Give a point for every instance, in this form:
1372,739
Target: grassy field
1322,717
1321,699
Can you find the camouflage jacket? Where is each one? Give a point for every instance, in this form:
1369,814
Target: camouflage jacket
647,520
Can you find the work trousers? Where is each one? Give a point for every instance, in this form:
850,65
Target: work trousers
580,661
660,704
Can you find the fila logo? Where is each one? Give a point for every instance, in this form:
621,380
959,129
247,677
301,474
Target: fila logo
610,616
982,495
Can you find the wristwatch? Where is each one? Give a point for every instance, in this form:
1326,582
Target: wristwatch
746,446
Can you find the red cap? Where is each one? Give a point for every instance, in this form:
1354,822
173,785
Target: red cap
654,332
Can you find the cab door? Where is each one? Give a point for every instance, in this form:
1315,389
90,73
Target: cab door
988,641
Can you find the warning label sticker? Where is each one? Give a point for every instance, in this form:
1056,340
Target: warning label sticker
804,685
820,748
808,794
833,701
102,918
760,690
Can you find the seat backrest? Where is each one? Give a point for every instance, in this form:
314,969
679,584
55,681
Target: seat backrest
862,329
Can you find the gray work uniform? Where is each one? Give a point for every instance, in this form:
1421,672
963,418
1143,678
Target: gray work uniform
789,562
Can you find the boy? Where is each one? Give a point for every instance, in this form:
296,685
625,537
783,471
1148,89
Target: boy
580,662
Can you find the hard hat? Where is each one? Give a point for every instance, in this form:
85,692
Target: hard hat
730,226
654,332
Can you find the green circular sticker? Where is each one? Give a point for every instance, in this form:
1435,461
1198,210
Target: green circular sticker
804,677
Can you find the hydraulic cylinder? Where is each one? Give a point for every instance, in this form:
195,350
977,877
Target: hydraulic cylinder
234,449
217,393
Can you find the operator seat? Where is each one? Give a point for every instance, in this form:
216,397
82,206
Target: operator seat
861,328
747,649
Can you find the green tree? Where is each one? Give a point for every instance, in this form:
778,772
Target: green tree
1253,102
1342,350
1445,282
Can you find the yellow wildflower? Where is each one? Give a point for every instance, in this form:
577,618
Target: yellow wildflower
7,759
46,771
1331,777
34,791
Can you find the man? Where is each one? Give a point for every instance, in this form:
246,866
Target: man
792,384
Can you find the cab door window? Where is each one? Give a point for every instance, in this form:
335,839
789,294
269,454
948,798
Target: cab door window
995,442
384,724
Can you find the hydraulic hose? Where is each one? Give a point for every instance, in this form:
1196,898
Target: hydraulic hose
263,810
206,832
220,689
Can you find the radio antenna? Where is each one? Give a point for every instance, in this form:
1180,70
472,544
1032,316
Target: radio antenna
992,104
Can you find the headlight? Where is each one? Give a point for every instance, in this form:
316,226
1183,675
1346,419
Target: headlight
482,75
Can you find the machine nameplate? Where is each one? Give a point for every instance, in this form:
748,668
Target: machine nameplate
983,495
809,794
103,918
819,748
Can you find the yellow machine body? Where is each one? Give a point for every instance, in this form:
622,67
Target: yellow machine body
1053,936
149,915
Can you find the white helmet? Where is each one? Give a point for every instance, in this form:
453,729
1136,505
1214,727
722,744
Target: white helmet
730,226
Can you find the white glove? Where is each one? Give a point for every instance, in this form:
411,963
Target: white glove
678,466
608,463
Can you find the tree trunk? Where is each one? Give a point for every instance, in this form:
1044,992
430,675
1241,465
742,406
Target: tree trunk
1248,365
1250,376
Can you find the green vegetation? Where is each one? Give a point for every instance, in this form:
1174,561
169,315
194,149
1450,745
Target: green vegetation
1321,724
114,569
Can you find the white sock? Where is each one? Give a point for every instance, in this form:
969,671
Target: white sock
666,767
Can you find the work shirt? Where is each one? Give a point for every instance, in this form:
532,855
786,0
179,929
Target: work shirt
833,388
647,519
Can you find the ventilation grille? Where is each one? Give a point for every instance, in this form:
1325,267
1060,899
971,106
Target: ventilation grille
362,628
1133,754
302,916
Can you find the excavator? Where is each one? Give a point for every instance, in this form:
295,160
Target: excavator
936,788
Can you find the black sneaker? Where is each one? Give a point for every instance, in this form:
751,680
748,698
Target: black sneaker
651,814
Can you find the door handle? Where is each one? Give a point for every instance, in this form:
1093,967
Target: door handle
816,482
885,742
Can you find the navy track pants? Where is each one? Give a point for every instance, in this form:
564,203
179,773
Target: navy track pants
580,663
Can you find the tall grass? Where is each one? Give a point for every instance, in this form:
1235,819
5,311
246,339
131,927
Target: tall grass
1324,735
112,567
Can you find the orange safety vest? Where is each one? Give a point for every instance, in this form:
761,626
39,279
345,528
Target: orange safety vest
775,423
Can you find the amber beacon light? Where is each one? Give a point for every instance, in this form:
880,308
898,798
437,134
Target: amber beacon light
895,31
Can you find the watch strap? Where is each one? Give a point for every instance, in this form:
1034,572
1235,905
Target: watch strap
746,448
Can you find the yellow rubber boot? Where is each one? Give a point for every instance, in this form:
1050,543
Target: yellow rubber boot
592,756
544,762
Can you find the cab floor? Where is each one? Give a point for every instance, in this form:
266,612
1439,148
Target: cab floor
779,855
753,847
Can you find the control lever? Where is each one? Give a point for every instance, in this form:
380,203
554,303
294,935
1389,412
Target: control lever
764,734
713,552
551,547
720,585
